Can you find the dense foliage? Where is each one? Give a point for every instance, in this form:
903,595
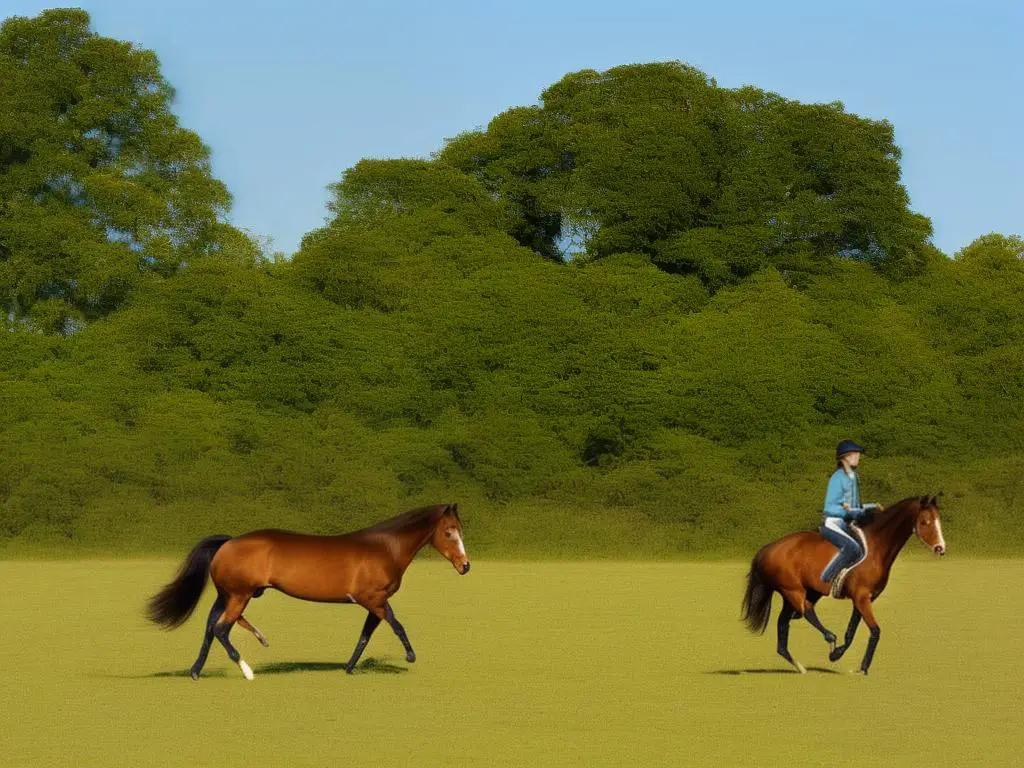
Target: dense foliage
631,320
98,182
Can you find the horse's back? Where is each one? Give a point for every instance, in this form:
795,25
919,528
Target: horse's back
790,544
258,544
785,558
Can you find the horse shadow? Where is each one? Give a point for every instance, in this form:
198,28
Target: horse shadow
368,666
771,671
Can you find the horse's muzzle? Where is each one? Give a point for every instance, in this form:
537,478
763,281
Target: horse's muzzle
939,550
465,569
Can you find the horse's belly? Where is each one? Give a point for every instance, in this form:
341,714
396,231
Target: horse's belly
304,592
325,583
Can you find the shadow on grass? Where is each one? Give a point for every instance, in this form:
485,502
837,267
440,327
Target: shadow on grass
774,671
179,673
366,667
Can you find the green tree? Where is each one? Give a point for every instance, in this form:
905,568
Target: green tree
657,159
98,182
995,251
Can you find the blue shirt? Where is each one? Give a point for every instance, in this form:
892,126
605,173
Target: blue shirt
844,489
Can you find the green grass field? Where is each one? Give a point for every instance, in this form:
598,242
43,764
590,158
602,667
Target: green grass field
529,664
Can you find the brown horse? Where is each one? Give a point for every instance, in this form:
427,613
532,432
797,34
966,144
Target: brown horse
363,567
792,567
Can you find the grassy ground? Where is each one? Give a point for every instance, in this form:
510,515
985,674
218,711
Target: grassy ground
530,664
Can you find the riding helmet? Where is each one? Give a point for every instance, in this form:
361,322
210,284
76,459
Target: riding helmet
847,446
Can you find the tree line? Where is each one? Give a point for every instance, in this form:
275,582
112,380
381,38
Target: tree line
634,317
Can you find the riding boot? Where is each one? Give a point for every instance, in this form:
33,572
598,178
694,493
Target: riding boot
836,590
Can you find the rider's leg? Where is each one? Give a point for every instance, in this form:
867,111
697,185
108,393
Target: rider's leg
834,530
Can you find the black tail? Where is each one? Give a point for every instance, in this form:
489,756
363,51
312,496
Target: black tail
757,601
172,605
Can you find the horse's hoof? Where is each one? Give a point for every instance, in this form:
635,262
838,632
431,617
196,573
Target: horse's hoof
837,654
800,668
264,642
348,670
410,657
194,674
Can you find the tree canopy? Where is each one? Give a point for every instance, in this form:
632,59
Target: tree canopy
657,159
98,182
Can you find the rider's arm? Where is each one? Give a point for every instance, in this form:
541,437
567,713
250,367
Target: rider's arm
871,507
856,513
836,495
839,499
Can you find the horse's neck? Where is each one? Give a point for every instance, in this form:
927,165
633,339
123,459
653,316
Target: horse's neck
891,533
412,537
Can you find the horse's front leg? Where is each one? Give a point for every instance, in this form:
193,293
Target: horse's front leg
851,630
389,616
863,604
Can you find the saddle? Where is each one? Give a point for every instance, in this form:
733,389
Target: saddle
837,583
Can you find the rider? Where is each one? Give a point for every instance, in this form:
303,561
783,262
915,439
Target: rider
842,504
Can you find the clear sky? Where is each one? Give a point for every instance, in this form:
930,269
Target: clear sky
289,94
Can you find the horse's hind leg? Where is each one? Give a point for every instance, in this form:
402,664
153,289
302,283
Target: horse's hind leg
851,630
232,612
785,616
812,617
410,654
244,624
204,649
372,620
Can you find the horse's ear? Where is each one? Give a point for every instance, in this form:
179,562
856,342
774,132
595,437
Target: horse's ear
453,509
924,500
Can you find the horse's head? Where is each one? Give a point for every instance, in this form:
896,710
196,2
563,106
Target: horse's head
448,539
927,525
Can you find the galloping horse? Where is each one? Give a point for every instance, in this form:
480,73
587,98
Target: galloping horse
792,567
363,567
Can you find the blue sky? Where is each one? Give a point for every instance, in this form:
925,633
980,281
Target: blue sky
288,95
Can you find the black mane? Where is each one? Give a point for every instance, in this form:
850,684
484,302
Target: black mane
876,518
412,517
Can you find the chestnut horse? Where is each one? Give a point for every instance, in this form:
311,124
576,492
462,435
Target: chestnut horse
792,567
363,567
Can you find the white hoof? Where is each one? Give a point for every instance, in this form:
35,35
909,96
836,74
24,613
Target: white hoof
800,668
246,669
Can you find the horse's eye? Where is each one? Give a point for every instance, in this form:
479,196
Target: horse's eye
927,522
